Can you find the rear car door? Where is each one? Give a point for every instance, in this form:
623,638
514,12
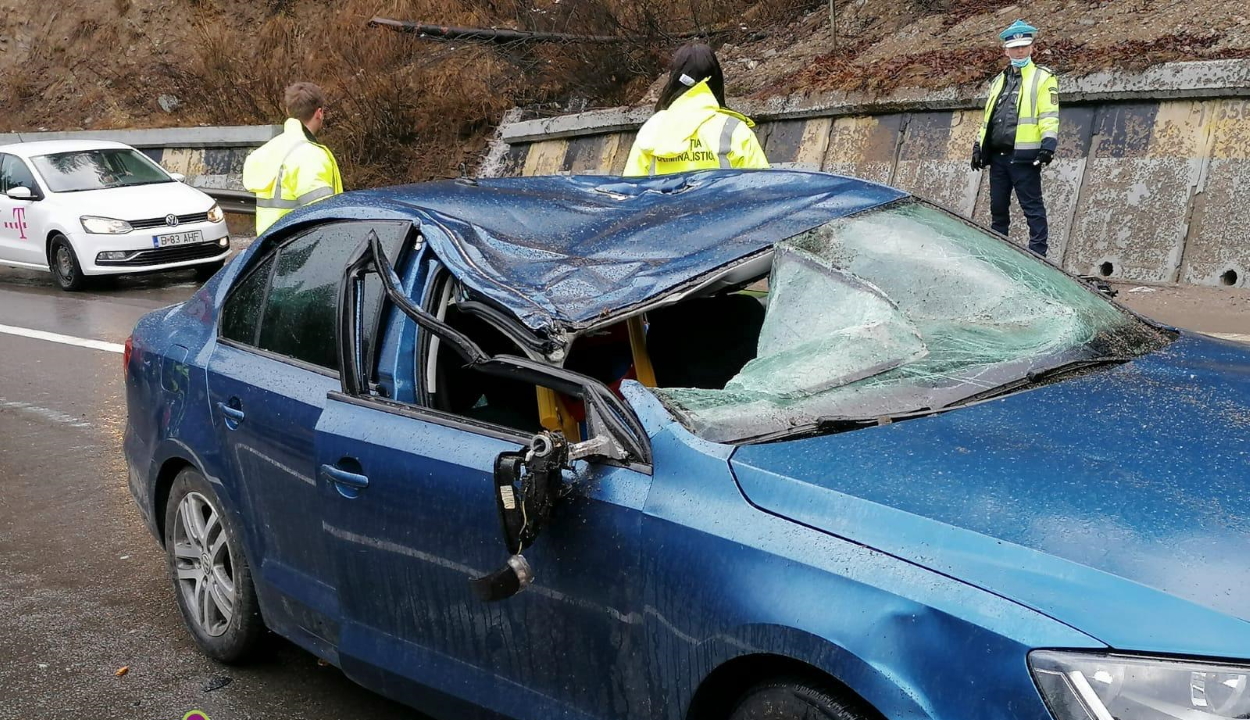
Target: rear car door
20,240
413,520
268,376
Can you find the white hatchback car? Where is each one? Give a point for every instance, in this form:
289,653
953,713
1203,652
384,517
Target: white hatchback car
92,207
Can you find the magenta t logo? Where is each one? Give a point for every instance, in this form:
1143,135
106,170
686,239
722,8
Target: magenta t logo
18,223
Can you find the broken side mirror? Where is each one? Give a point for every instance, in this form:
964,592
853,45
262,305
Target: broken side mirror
527,486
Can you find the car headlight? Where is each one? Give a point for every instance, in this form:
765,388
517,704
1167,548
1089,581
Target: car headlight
1085,686
103,225
215,214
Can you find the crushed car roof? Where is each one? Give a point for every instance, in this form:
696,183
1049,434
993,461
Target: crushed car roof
565,251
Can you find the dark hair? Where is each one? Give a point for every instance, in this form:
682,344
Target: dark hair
303,99
698,63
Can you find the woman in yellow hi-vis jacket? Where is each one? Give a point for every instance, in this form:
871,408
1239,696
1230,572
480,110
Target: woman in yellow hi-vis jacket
692,129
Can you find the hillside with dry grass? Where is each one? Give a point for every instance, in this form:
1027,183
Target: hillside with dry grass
406,107
879,46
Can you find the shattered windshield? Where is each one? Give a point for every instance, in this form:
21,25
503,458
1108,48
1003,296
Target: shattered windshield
897,310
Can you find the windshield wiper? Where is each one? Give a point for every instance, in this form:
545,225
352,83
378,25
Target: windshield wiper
145,182
837,424
841,423
1033,377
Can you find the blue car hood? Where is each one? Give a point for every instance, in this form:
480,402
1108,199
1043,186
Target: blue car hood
1117,502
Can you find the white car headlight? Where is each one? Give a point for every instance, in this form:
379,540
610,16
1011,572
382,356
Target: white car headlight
1081,686
103,225
215,214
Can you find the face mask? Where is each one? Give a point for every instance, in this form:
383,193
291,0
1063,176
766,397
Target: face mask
1018,64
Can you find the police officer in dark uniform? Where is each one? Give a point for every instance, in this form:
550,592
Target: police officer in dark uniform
1019,135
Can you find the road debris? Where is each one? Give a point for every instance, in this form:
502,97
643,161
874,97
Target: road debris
217,682
122,670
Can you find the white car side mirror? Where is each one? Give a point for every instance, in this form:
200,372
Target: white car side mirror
20,193
179,177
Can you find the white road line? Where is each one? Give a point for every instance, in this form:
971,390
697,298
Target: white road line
1235,337
42,412
63,339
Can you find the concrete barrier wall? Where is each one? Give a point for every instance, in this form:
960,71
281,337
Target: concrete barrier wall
1151,181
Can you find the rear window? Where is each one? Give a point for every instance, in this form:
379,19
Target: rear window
98,169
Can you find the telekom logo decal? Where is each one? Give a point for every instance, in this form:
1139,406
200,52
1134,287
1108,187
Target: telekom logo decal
18,223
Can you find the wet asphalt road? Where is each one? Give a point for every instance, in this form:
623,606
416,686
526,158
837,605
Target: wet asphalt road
83,589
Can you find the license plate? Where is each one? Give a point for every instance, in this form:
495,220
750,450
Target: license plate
178,238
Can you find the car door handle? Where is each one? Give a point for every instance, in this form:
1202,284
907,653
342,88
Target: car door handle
233,415
348,483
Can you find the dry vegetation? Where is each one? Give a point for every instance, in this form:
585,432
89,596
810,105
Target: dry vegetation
402,107
886,44
840,71
405,108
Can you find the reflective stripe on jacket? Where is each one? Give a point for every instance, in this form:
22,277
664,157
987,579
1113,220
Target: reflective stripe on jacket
1037,125
695,133
289,171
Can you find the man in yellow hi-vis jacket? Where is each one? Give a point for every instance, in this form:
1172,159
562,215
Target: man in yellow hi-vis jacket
293,169
1019,135
691,129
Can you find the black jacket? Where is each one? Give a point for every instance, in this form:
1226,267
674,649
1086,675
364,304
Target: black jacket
1001,134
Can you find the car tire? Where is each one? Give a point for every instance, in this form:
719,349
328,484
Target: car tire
795,699
210,573
208,270
63,262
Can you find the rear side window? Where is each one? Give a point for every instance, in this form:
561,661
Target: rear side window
300,311
288,305
240,318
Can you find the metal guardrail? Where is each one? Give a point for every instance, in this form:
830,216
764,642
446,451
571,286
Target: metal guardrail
232,201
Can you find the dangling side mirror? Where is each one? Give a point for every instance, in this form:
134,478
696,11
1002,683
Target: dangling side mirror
527,485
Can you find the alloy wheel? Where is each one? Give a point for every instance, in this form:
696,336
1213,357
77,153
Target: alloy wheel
202,563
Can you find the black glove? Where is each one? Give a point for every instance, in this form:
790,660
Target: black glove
976,158
1044,156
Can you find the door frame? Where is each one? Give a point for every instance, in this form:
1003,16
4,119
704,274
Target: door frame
614,417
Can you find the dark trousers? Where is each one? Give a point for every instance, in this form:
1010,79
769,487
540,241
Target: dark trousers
1026,179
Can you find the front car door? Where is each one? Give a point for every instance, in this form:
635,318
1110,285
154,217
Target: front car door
418,522
21,237
268,377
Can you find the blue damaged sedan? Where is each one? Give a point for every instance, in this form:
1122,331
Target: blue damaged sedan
720,446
